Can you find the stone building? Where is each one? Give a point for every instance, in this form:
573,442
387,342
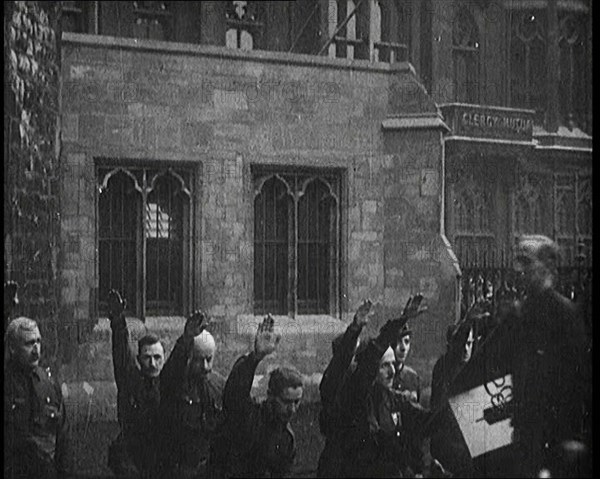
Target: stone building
297,157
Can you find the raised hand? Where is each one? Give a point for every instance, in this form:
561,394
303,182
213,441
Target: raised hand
266,340
116,304
195,324
414,306
389,331
361,317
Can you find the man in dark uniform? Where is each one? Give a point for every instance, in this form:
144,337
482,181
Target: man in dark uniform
406,379
447,442
331,420
36,435
549,361
191,408
256,439
134,451
385,439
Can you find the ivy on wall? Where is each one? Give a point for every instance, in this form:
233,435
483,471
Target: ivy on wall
31,181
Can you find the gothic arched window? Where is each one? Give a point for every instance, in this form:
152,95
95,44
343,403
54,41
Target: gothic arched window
528,61
296,243
144,238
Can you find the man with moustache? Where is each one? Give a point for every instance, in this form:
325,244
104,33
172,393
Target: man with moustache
191,407
133,452
36,434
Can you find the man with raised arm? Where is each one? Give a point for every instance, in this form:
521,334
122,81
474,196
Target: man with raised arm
257,440
191,402
331,419
386,424
134,451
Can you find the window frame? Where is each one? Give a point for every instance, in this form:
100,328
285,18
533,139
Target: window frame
260,174
471,55
253,27
140,305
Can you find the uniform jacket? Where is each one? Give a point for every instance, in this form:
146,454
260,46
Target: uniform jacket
335,375
407,379
332,421
36,432
549,371
447,442
253,442
138,399
385,440
190,414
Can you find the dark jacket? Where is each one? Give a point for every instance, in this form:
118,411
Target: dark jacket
549,370
138,400
335,375
447,444
190,415
386,438
331,418
36,432
253,442
407,379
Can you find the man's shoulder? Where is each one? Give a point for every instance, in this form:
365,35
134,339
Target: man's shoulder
216,379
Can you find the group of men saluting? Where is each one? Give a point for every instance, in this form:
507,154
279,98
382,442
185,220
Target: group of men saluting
181,419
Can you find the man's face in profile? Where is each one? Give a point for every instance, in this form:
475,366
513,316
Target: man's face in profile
27,347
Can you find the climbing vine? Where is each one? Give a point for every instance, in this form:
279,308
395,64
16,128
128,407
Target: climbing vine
31,157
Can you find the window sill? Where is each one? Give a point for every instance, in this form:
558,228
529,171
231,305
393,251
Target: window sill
153,323
245,324
314,324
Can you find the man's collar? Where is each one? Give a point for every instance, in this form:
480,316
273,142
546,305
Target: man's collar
24,370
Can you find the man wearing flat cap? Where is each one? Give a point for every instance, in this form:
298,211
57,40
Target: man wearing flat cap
548,358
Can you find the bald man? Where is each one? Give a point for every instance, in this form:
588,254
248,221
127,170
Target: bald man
191,402
36,438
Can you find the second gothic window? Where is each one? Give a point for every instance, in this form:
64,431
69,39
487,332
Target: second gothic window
296,243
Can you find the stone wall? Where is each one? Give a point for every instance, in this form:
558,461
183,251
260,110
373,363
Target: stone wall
227,111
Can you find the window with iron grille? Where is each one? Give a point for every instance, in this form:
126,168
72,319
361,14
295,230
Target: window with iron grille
244,24
144,238
465,53
297,242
